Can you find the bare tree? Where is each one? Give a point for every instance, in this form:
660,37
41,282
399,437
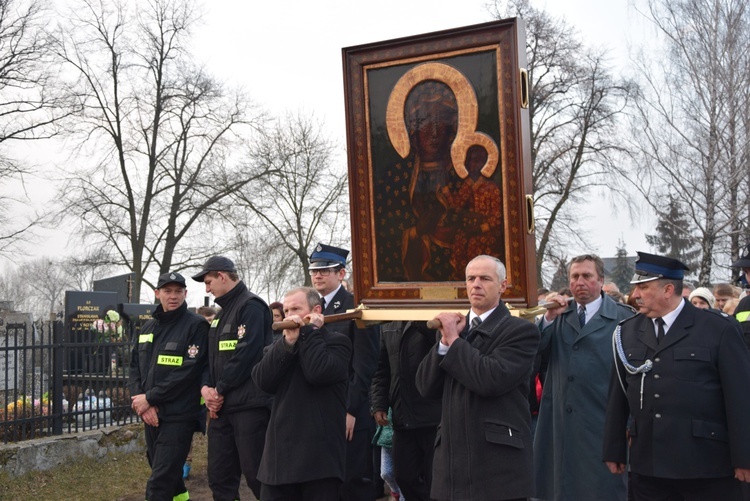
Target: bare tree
303,200
48,281
15,288
268,267
691,135
82,270
165,136
574,107
29,106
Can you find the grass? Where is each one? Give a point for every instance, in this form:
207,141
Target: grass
113,477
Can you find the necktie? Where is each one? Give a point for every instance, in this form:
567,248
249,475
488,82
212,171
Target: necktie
475,323
323,301
473,328
660,331
582,315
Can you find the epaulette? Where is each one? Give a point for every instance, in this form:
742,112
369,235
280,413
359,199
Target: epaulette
622,322
627,306
718,313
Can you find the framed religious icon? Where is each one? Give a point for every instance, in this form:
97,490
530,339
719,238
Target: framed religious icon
439,164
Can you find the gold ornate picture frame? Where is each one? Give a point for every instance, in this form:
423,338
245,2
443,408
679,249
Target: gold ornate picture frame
439,164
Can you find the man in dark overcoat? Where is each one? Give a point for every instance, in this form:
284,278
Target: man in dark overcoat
481,366
307,371
679,388
327,269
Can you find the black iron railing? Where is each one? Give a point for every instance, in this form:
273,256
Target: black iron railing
54,382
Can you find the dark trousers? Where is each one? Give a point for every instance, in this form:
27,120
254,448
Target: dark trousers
645,488
167,446
235,445
358,484
412,459
324,489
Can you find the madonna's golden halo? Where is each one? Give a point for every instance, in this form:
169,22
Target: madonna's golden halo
468,114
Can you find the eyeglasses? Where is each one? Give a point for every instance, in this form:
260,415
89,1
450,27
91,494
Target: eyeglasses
324,272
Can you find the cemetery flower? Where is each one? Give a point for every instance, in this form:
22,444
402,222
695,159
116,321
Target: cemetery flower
108,329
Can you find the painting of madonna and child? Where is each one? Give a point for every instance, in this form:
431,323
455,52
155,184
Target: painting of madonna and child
444,168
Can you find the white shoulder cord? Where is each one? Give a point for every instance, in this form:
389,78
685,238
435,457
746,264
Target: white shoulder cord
618,351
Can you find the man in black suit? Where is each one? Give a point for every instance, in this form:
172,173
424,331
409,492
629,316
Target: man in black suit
680,389
481,367
307,371
327,271
403,346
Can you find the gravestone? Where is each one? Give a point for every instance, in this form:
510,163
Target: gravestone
135,315
122,285
18,337
82,309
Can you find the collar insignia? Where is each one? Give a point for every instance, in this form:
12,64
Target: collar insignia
337,304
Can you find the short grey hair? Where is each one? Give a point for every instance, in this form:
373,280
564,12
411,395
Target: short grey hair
499,266
311,295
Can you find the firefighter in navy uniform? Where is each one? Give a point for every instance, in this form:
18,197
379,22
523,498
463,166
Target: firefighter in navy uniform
679,387
165,372
327,271
742,312
239,410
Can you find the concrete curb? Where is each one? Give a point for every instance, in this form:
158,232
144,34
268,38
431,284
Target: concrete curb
45,453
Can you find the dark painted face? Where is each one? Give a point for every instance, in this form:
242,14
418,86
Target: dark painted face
432,120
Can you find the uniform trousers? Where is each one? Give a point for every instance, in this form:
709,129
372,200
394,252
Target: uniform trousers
359,485
412,458
167,446
646,488
324,489
235,446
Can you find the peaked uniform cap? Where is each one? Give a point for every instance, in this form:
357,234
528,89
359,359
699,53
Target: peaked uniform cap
652,267
327,256
744,260
170,277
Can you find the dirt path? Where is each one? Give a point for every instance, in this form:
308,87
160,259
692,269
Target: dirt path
197,482
197,485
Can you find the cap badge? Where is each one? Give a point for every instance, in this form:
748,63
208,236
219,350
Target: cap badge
172,276
318,248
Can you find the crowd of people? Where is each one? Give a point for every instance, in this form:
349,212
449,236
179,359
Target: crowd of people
638,397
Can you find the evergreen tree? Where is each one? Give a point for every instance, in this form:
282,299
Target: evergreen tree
673,237
623,270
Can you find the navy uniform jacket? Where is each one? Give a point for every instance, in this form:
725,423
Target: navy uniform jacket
696,399
742,314
365,351
167,361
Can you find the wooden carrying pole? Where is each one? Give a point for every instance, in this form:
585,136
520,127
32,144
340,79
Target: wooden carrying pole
287,324
530,313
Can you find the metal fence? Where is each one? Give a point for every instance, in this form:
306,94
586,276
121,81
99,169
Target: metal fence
54,382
